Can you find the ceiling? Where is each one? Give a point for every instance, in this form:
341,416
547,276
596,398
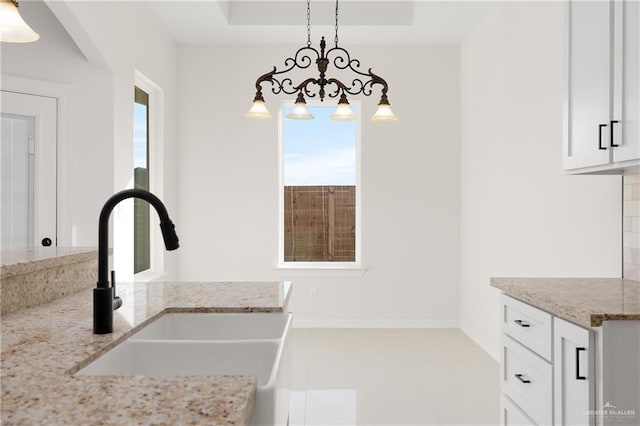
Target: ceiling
284,22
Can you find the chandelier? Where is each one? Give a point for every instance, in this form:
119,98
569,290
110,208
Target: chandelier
13,29
361,83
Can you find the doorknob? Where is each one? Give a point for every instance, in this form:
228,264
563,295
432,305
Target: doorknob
46,242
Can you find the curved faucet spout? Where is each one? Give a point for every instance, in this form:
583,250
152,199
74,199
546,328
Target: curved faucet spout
104,298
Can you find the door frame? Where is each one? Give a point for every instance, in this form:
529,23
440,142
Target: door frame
62,93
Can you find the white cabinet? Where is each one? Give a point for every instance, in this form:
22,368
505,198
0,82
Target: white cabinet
547,372
527,380
526,369
512,415
574,381
601,112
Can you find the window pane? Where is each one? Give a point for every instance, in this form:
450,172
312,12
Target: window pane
141,225
17,194
319,188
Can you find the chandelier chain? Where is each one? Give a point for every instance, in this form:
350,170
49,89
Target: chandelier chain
308,23
336,37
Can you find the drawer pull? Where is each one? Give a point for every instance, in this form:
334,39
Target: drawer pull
522,378
522,323
578,376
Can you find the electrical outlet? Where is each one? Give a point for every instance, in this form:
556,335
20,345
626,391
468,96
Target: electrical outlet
313,293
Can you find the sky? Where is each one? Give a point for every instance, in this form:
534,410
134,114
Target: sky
319,151
139,135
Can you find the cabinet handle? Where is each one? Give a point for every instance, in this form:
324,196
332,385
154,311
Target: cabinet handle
521,323
600,126
613,145
521,378
578,376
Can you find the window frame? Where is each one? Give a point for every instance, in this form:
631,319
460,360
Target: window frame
355,265
139,203
155,150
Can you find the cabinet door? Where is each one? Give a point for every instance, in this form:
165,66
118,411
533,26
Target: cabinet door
588,84
512,415
627,80
574,379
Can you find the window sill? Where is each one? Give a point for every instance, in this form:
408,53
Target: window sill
315,270
148,276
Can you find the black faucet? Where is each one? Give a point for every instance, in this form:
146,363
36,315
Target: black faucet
105,300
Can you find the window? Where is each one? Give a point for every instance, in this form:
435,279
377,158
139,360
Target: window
320,191
141,226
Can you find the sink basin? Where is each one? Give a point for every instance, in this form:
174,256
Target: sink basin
212,344
191,358
227,326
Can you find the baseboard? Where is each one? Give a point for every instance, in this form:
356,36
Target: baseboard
492,351
373,323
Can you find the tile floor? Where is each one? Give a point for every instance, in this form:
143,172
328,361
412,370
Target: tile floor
392,377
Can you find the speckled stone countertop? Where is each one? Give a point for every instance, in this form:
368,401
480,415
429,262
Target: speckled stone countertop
586,301
27,261
43,346
33,277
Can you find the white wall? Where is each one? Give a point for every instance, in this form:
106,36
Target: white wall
101,145
136,43
521,215
228,175
55,58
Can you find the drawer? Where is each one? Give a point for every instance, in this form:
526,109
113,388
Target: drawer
528,325
528,380
512,415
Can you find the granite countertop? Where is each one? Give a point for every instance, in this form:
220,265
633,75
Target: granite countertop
23,261
43,346
586,301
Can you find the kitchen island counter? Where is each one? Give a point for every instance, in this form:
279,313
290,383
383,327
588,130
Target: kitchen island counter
44,346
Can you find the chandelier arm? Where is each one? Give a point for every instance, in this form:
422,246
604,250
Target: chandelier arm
343,60
284,86
304,86
302,59
340,87
376,79
264,77
358,87
336,92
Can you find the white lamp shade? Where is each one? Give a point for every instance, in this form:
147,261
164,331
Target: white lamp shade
13,29
300,112
343,113
258,111
384,114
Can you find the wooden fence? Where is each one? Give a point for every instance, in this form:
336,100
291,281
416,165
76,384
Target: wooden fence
319,223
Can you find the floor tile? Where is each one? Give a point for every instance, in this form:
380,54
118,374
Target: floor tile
392,377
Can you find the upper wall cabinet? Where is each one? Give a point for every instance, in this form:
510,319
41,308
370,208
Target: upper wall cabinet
602,89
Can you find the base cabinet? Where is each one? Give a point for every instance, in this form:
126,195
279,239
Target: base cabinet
547,368
512,415
556,372
574,374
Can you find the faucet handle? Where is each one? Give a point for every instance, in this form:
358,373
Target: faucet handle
117,302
